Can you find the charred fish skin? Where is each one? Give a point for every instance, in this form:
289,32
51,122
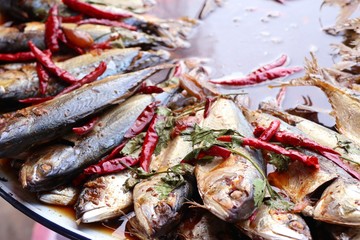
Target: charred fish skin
62,196
55,165
157,205
103,198
42,122
226,187
271,224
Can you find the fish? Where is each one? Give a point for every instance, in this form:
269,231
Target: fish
226,186
345,102
158,201
269,223
199,224
22,81
104,197
57,164
40,123
302,185
62,196
137,6
320,134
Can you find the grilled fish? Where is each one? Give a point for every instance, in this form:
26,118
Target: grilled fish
62,196
104,197
39,123
272,224
22,82
226,187
54,165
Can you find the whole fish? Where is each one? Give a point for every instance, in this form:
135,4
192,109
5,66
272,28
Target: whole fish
54,165
226,186
301,183
23,82
62,196
320,134
199,224
345,102
158,201
39,123
269,223
104,197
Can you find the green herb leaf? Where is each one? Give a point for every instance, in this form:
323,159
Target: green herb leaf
280,204
259,191
163,190
345,145
280,161
133,147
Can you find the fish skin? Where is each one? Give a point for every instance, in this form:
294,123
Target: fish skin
345,102
39,123
226,187
54,165
23,82
137,6
320,134
156,215
62,196
272,224
104,197
299,182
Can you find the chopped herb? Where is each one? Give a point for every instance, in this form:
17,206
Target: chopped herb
133,146
163,129
259,191
163,190
280,161
280,204
345,145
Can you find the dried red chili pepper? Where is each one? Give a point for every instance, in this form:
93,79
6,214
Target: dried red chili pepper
277,63
115,152
208,103
87,127
269,132
103,45
182,124
149,89
52,26
97,72
111,166
107,22
150,141
311,161
89,10
43,78
260,77
215,151
36,100
280,96
72,19
17,57
142,121
50,65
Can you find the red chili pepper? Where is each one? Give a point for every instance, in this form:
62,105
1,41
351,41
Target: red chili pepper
150,141
72,19
115,152
36,100
280,96
87,127
103,45
87,79
270,131
50,65
182,124
277,63
17,57
52,27
208,103
111,166
142,121
64,40
79,180
43,78
89,10
215,151
311,161
260,77
149,89
107,22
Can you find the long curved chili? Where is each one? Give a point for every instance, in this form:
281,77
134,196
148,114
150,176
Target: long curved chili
17,57
72,19
107,22
89,10
111,166
208,103
277,63
52,26
269,132
150,141
50,65
43,78
145,89
86,128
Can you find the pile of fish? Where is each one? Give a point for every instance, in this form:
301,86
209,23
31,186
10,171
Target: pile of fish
153,140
